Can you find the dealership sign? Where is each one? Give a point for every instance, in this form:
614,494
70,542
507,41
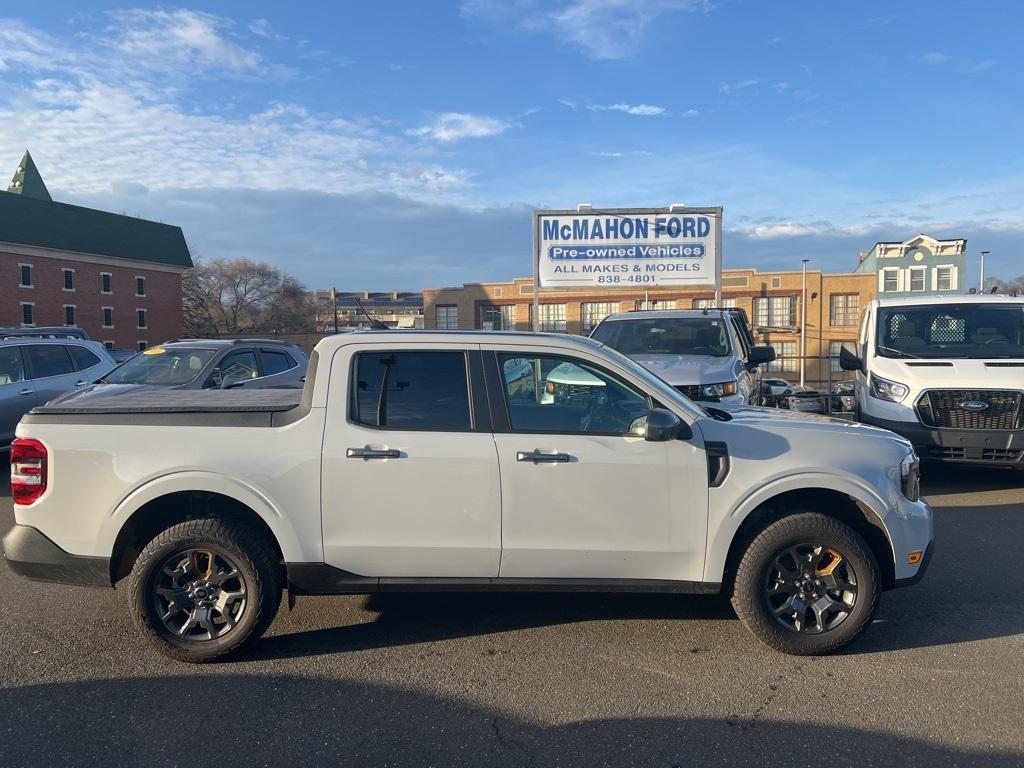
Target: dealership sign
620,247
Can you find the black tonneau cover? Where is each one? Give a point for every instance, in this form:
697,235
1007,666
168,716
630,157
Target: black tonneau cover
215,408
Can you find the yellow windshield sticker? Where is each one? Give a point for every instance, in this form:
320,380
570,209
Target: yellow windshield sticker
154,351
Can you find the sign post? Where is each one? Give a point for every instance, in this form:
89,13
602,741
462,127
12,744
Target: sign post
626,247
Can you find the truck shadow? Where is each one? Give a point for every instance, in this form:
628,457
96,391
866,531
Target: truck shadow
292,720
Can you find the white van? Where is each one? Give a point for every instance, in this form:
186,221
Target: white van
946,373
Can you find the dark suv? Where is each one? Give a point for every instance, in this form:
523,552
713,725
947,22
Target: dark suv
207,364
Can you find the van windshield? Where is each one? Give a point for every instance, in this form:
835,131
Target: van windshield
968,330
665,336
158,365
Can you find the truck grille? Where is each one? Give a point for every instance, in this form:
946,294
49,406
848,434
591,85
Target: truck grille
943,408
692,391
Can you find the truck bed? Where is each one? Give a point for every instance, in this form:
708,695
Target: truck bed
237,407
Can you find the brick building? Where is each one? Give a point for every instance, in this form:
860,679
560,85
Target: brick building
116,277
772,301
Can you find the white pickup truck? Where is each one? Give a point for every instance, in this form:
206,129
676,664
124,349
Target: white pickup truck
441,461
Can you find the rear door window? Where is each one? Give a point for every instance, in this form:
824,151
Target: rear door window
46,360
83,357
276,362
11,368
236,366
410,390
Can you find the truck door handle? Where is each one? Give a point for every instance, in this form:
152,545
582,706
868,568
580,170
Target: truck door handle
373,453
539,457
25,392
81,383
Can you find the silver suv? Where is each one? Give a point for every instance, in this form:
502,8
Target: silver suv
707,354
34,371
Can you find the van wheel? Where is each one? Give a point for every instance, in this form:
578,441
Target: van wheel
205,588
807,584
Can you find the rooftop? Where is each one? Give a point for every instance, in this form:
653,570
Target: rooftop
29,216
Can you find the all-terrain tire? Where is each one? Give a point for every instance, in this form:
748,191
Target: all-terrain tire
750,597
258,569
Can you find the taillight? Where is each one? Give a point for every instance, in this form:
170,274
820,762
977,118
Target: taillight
28,470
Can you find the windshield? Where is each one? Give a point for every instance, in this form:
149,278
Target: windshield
157,365
666,336
951,330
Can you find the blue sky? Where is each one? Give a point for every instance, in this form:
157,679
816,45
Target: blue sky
402,145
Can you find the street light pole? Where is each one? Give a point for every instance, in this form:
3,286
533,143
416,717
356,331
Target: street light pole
334,304
981,279
803,325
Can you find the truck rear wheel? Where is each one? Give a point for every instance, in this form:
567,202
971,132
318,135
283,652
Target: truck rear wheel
807,584
205,588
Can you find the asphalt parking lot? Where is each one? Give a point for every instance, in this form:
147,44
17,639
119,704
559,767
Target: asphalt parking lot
559,680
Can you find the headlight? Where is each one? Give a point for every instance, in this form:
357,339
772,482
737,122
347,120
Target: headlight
718,390
884,389
910,472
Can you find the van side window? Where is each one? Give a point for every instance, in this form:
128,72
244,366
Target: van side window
410,390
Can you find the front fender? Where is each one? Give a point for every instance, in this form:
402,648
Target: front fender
729,523
192,480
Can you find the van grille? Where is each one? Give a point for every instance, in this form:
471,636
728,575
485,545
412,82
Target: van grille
989,455
943,408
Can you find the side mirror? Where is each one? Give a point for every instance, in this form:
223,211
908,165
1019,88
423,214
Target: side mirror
232,382
848,359
760,355
663,425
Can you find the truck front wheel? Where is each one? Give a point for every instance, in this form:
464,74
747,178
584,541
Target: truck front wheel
807,584
205,588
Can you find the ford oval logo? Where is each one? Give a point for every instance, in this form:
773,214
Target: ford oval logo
974,405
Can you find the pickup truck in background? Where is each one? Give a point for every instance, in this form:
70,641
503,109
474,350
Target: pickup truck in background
947,373
707,354
442,461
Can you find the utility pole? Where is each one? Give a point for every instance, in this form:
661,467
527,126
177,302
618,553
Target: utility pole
334,304
803,325
981,279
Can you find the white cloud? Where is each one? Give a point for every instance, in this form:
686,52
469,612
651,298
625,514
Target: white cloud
691,113
97,117
179,38
962,64
452,126
603,29
781,229
643,110
738,86
261,27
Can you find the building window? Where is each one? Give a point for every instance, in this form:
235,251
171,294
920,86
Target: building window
27,312
108,345
710,304
69,279
140,286
26,275
785,357
69,314
498,317
917,279
844,309
140,318
447,316
944,278
834,348
552,317
774,311
654,304
108,317
593,312
142,346
890,280
105,286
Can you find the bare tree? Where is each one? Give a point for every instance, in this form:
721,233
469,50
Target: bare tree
1014,286
243,296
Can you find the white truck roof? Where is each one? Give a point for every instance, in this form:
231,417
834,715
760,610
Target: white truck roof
960,298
